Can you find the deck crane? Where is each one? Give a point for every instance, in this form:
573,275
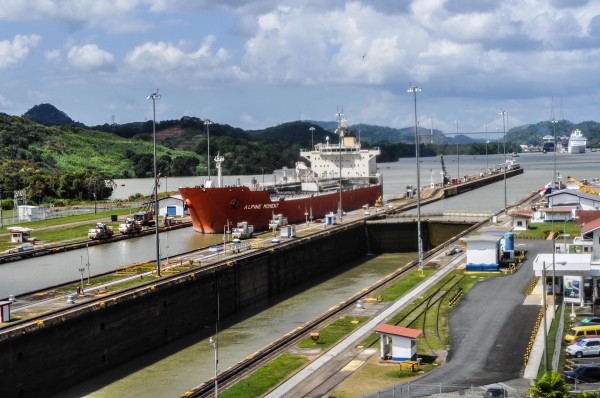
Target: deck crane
582,187
145,215
445,178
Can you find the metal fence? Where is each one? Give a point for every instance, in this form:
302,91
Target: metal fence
56,212
415,390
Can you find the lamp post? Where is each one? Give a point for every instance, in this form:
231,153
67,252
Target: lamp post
554,177
414,90
504,117
340,116
154,96
312,139
487,165
207,123
457,156
215,343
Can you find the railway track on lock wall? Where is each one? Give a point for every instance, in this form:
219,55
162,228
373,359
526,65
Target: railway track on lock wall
242,369
237,372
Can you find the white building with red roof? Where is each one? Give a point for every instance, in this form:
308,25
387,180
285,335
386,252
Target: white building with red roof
398,343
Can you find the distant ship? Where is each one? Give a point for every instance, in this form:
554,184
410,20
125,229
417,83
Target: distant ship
577,142
548,143
308,193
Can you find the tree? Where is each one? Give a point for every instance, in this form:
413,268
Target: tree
550,385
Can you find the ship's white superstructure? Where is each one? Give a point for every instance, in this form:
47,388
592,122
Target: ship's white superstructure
577,142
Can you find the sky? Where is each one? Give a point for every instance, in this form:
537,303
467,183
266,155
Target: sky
258,63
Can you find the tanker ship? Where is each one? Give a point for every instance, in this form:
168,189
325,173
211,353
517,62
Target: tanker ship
342,176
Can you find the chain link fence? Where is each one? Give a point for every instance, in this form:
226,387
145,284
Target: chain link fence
46,213
415,390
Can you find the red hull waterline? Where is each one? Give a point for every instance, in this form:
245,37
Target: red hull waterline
211,209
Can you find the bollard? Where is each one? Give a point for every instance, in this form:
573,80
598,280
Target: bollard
12,298
70,299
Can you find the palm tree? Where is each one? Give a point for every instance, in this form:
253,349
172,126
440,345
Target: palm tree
550,385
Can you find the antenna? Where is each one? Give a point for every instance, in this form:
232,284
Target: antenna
562,116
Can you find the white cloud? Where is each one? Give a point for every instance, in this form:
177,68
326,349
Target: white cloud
168,57
113,15
52,55
5,103
90,57
13,52
38,96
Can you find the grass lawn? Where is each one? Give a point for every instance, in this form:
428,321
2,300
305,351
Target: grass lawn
376,375
334,332
265,378
542,229
62,229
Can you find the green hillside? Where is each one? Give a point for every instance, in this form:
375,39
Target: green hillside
532,134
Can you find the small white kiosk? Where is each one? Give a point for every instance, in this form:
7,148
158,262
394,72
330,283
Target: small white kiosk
398,343
19,234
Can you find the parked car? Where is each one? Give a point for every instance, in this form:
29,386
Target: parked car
594,320
453,250
589,336
583,374
495,391
584,347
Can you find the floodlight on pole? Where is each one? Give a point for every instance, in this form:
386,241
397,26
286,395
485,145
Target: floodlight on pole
554,177
154,96
312,137
414,90
504,117
207,123
487,165
457,156
341,127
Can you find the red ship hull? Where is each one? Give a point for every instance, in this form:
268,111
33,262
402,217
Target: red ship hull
211,209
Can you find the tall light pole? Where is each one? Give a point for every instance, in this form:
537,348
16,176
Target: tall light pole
312,137
215,343
487,166
340,116
457,156
207,123
504,117
554,128
154,96
414,90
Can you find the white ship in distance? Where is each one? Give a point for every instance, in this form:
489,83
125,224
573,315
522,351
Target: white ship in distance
577,142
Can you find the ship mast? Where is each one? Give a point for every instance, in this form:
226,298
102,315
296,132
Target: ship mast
219,160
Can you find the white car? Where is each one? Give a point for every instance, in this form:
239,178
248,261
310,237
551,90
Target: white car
584,347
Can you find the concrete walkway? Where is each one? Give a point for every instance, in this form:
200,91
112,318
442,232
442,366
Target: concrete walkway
536,356
312,370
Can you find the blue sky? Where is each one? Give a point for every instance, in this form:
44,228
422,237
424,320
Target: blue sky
254,64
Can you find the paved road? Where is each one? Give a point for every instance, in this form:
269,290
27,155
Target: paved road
490,330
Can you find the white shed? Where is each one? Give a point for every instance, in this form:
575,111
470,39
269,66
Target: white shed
173,206
31,213
398,343
521,219
574,199
560,214
483,252
19,234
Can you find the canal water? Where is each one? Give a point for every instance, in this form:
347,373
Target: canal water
184,364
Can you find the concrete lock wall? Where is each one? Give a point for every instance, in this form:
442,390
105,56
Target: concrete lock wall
81,342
